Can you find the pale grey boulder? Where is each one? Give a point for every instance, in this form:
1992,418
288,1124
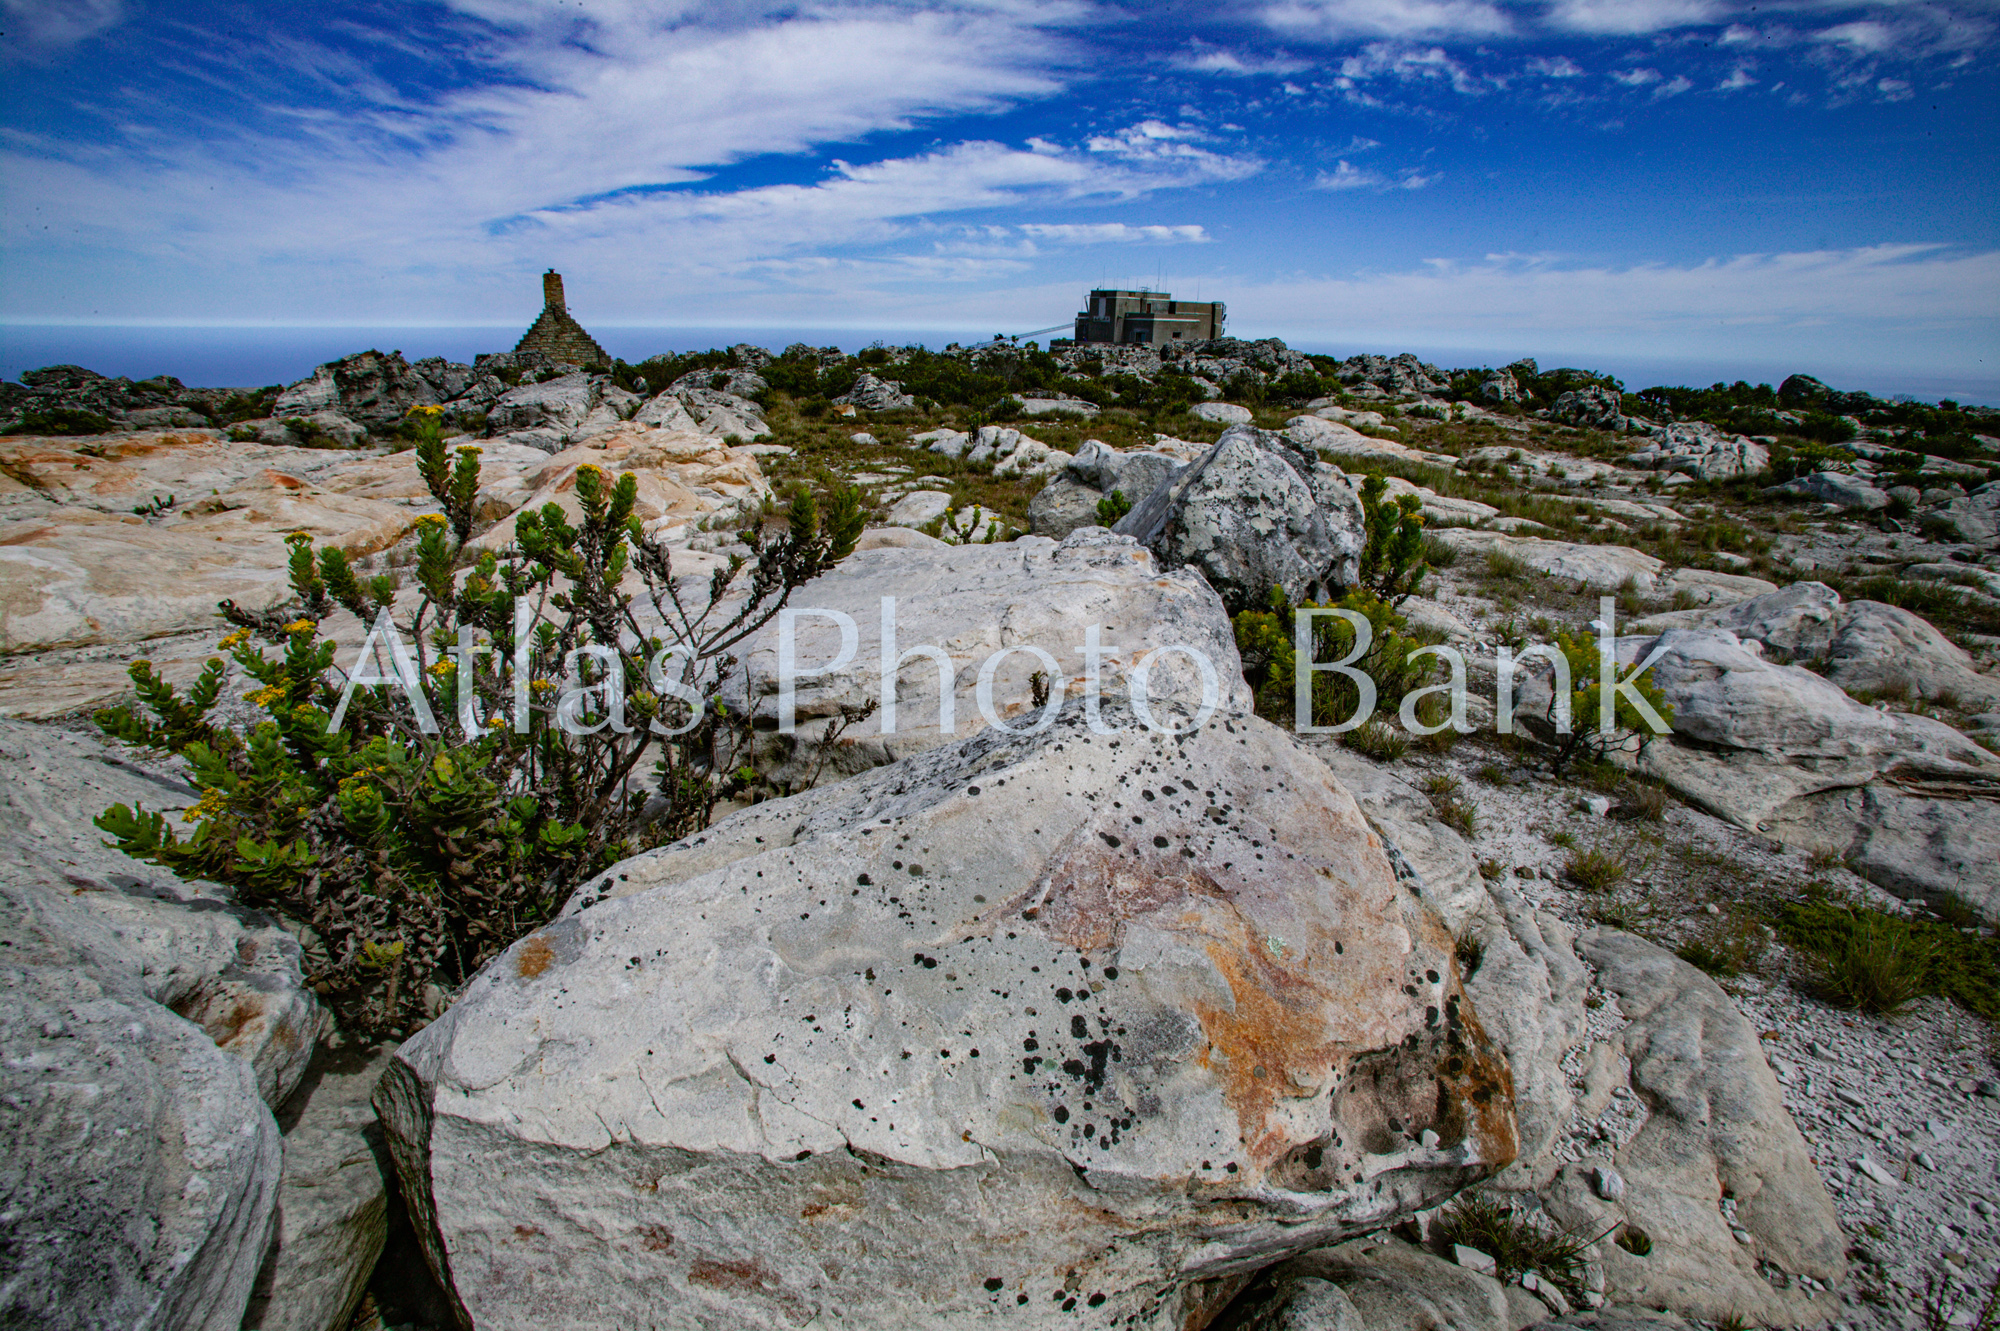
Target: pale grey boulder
332,1201
1882,648
1059,1026
1063,505
970,602
558,404
1227,413
1500,386
1717,1127
145,1026
1250,522
872,394
1832,487
1973,518
138,1164
1702,451
1934,841
1595,408
1097,470
231,972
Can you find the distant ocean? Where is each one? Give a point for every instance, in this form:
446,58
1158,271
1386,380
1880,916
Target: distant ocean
250,357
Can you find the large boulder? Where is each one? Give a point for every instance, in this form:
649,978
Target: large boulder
1603,568
872,394
1836,488
1500,386
970,602
375,389
1372,1284
1070,500
1700,450
1781,750
1717,1129
559,404
1256,513
1596,408
146,1026
1064,1026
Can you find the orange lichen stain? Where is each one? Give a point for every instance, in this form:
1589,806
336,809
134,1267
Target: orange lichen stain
731,1275
533,958
1277,1034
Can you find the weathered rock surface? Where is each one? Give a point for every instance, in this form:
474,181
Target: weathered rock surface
1832,487
332,1200
1070,500
1228,413
1595,408
145,1026
1255,513
369,387
1700,450
1717,1128
776,1112
1011,452
872,394
1372,1284
970,602
1599,567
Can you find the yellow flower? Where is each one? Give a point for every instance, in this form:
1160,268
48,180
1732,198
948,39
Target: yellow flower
426,410
301,626
234,640
470,448
437,519
495,722
542,685
443,668
264,697
210,805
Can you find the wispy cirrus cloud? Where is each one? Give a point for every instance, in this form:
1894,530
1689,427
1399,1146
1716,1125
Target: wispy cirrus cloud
1346,176
43,25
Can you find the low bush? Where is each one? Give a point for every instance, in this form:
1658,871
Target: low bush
410,830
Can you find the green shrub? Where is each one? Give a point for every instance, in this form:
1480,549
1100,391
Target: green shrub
1589,682
61,422
1392,555
1445,793
1265,640
1112,507
409,854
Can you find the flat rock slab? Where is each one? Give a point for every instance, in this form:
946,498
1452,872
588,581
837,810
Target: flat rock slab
1063,1026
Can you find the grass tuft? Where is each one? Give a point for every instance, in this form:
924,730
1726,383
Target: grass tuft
1594,869
1516,1241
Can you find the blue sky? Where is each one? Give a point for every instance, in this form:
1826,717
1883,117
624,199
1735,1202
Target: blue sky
1807,184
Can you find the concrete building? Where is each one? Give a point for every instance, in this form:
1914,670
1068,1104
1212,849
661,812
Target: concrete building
1151,317
555,336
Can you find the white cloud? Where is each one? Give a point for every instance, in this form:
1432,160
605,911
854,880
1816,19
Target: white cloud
1203,58
1673,87
1624,17
1332,20
44,24
1165,148
1345,176
1114,233
1739,78
1561,67
1408,64
1899,305
1636,78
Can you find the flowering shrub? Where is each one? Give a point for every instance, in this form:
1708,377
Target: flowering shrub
412,824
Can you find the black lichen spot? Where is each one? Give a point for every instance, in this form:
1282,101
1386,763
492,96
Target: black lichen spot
865,880
992,1282
974,790
1110,840
1110,972
1078,1027
1159,843
1064,995
1061,1114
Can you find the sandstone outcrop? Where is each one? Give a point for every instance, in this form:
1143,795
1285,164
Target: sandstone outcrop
1036,1017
